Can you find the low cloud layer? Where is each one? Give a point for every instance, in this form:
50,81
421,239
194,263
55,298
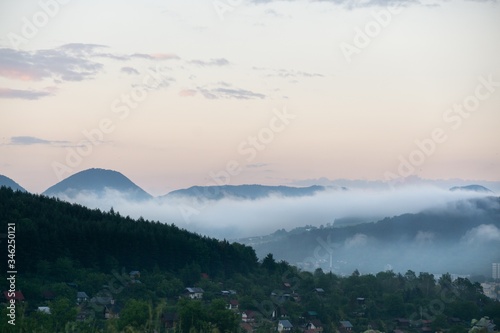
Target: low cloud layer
236,218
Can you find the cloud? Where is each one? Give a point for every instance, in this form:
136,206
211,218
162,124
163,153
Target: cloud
31,140
482,234
155,56
187,93
129,70
66,63
229,93
69,62
287,73
211,62
357,240
236,218
424,237
23,94
257,165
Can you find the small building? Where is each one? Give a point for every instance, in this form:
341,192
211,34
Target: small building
248,316
44,309
81,297
319,291
112,310
17,296
284,325
233,304
194,293
345,326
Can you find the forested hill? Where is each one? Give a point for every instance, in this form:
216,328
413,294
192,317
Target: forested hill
48,229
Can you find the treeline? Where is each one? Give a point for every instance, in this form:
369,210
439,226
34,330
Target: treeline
48,229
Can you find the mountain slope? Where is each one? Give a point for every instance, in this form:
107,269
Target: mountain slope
53,229
251,192
7,182
471,188
97,182
463,238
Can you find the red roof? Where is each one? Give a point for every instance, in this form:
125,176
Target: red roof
18,296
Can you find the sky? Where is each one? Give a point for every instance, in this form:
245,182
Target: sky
181,93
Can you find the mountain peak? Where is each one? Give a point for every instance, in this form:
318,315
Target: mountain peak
97,181
8,182
471,188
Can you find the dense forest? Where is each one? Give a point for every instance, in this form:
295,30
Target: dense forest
83,270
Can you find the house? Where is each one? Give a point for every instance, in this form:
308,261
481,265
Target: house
360,300
233,304
314,326
194,293
284,325
81,296
102,299
345,326
17,296
248,316
112,310
44,309
319,291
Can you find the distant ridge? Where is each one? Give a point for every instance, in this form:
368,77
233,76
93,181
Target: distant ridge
248,192
97,181
7,182
471,188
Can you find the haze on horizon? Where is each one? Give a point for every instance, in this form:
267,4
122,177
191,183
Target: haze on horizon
269,92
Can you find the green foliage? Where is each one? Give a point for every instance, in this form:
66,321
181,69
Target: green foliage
135,314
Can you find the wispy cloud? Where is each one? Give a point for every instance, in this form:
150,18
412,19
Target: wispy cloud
155,56
257,165
129,70
229,93
31,140
23,94
66,63
287,73
187,92
69,62
211,62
